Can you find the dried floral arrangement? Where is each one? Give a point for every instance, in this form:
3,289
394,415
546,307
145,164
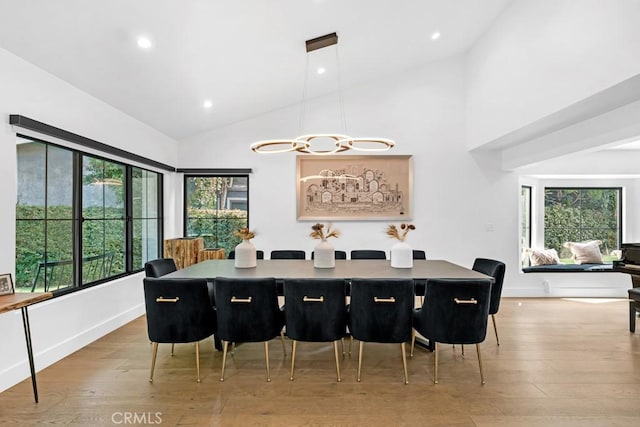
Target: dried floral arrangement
244,233
319,232
392,231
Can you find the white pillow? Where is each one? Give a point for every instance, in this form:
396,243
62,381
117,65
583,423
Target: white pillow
543,257
585,252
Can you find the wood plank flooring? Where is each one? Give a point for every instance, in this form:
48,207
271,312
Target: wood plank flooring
560,363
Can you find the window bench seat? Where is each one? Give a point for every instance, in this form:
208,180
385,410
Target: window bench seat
568,268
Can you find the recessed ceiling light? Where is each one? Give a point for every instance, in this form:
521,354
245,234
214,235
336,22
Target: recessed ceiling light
207,104
321,70
435,36
144,43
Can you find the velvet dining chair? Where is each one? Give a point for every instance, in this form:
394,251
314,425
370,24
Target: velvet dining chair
288,254
315,312
178,311
248,311
455,311
159,267
368,254
381,311
495,269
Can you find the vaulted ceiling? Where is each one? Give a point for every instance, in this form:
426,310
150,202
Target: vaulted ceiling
246,57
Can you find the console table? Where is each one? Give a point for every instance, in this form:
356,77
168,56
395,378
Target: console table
22,301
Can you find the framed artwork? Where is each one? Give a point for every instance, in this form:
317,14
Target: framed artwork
6,284
354,187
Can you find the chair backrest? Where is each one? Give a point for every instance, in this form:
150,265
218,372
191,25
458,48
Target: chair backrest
315,309
455,311
247,309
259,255
288,254
178,310
418,254
368,254
496,270
381,310
159,267
338,255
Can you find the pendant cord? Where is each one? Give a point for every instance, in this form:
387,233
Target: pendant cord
343,115
303,104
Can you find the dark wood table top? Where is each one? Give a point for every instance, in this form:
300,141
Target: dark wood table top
19,300
347,269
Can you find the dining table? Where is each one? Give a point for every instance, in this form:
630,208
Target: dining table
344,269
283,269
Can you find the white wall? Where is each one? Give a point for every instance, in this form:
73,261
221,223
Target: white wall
63,325
541,57
457,197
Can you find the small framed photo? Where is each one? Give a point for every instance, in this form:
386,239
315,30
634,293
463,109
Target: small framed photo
6,284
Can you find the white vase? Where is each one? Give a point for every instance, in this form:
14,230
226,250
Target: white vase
245,255
401,255
324,255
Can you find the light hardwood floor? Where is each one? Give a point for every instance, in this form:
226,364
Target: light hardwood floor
560,363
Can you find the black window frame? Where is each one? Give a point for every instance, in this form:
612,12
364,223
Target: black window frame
77,219
211,173
618,189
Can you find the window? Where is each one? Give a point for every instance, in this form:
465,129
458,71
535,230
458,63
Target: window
581,214
81,219
525,219
215,207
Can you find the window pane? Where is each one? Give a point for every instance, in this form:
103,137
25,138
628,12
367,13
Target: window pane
30,238
216,206
102,249
145,241
59,264
102,188
32,158
59,183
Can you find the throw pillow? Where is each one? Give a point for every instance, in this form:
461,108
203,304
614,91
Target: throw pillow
543,257
585,252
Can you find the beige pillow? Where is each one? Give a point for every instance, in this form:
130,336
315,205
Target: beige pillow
543,257
585,252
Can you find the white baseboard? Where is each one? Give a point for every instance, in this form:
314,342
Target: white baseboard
18,372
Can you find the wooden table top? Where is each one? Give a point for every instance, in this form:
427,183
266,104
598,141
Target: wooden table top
19,300
347,269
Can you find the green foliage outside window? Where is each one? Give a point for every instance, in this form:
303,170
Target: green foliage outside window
208,213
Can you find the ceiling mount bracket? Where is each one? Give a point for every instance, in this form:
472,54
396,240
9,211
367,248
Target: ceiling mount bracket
322,41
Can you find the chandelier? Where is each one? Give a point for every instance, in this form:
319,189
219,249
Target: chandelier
339,142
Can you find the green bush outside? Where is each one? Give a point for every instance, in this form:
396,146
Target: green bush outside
216,227
98,237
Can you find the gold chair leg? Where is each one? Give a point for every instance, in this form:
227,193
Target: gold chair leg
413,342
172,347
233,348
335,350
435,363
284,349
404,363
294,344
480,364
197,361
360,359
342,347
153,360
350,342
266,356
495,329
225,346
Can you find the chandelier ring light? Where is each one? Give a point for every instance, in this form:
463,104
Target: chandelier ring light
303,144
